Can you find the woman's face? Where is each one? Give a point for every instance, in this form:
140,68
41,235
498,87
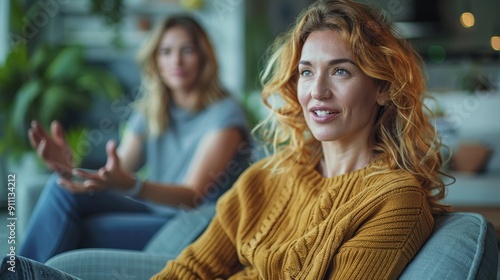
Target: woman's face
179,60
339,101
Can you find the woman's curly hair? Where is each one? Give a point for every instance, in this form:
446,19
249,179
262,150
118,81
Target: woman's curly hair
402,137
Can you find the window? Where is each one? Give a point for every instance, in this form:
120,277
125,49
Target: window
4,29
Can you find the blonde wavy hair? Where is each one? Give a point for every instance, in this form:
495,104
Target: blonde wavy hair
155,95
402,137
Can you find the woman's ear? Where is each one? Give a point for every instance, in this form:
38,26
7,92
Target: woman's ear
382,98
382,94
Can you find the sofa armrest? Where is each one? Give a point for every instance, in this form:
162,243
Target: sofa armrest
181,231
463,246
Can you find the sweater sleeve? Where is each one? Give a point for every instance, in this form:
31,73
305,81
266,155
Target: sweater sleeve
386,237
214,255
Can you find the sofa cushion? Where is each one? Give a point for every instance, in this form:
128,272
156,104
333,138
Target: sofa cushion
463,246
179,232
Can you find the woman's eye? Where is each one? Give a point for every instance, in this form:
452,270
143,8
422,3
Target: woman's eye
305,73
165,51
188,50
341,72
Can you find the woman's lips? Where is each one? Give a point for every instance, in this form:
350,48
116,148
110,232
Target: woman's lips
177,74
323,115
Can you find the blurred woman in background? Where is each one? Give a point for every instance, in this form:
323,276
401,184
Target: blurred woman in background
185,132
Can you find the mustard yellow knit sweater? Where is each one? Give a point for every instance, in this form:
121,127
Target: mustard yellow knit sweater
300,225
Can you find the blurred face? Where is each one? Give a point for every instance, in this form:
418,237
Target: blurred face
179,59
339,101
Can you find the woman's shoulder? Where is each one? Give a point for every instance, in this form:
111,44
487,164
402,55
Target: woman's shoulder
389,183
266,171
379,171
137,122
258,169
227,103
225,112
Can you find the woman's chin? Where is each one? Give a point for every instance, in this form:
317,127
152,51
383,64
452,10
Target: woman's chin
179,85
324,137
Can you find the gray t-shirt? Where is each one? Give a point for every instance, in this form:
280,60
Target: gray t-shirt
168,157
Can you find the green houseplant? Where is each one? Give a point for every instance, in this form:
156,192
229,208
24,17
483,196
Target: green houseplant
47,84
44,83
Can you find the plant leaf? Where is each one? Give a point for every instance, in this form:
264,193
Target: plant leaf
17,60
11,143
40,59
66,65
23,106
100,82
13,75
59,101
74,136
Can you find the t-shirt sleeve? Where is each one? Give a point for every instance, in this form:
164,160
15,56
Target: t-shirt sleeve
137,124
228,113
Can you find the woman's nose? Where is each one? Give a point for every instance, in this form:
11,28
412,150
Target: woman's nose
321,89
176,58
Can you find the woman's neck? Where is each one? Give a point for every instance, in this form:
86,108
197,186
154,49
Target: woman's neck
337,161
185,99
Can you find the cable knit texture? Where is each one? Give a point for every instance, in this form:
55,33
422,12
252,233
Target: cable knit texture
300,225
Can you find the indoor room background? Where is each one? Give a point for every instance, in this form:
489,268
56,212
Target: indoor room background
459,41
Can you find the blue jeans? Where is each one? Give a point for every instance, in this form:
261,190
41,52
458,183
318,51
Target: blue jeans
94,264
25,269
62,221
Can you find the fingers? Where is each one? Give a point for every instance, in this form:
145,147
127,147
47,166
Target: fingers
91,178
83,181
87,186
34,138
111,147
113,160
43,153
42,148
57,132
36,134
103,172
62,169
75,187
85,175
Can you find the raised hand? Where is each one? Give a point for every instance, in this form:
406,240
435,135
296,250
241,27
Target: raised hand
110,175
54,150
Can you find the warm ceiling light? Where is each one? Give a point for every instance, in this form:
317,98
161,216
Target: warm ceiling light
467,20
495,43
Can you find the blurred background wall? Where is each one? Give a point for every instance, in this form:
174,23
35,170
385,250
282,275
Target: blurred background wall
457,39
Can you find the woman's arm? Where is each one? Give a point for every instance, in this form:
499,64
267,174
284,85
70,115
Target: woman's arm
387,238
130,151
213,156
214,255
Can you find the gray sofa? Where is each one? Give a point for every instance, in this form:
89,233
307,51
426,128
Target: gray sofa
463,246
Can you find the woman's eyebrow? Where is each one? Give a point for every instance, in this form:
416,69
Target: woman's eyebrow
331,62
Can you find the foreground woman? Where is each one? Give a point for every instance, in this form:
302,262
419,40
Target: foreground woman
353,184
354,181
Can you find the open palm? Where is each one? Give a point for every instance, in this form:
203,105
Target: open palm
53,149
